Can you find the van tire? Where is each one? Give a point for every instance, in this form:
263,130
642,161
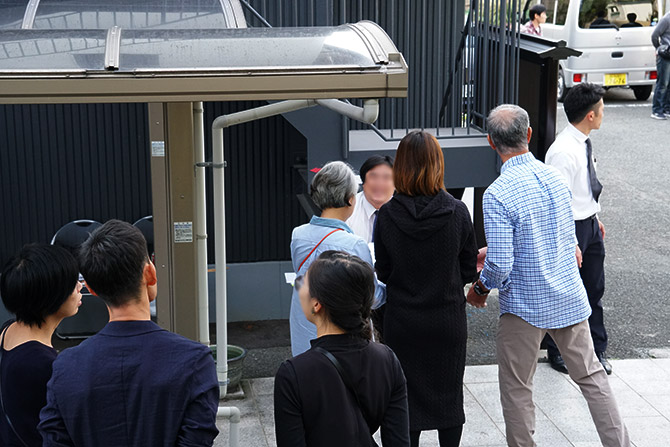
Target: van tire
643,92
562,89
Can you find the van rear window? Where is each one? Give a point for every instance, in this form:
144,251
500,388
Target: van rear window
599,14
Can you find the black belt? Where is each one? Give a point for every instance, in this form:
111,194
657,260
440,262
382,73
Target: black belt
595,216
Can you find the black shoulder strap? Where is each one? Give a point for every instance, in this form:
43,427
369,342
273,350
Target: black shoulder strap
2,403
347,382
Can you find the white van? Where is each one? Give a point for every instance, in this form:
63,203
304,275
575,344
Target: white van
616,51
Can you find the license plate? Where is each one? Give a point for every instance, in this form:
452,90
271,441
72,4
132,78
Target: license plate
615,79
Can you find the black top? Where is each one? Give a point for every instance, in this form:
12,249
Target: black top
313,407
25,371
426,252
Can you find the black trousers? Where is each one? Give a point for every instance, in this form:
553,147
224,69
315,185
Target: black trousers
448,437
590,241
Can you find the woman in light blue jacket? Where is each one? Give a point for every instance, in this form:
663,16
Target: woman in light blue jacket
333,190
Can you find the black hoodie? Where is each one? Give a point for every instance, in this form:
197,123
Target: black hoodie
426,252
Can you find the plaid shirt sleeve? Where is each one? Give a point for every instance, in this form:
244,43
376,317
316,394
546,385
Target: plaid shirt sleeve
500,238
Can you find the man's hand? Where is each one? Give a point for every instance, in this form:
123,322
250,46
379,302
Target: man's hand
578,255
602,228
481,257
476,300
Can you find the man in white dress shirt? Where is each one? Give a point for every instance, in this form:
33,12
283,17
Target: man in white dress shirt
377,180
571,153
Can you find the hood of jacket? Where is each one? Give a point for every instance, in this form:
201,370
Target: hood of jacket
421,216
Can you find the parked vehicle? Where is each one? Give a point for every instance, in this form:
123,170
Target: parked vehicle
616,51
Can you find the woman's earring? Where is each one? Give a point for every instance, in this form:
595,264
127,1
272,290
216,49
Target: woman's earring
313,311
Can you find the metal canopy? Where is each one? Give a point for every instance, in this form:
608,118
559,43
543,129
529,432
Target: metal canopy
128,14
149,65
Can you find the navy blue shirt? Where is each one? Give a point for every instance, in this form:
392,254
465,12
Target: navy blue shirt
25,372
132,384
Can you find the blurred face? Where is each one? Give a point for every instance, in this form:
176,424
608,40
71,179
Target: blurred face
378,187
306,301
71,305
542,18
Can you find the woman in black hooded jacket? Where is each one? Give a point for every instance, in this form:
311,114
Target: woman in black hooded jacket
425,253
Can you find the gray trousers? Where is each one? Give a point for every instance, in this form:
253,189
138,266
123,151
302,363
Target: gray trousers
517,345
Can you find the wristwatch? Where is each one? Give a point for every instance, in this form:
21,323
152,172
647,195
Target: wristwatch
479,289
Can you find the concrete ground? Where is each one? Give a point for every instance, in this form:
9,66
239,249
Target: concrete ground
641,386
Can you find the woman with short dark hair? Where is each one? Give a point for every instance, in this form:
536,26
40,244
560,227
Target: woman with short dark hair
333,191
345,387
41,287
426,253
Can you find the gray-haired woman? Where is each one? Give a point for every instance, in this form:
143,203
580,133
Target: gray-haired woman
333,190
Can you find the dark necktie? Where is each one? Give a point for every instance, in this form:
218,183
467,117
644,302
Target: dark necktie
596,186
374,225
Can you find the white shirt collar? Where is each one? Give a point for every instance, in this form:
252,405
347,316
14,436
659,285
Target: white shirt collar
367,206
576,133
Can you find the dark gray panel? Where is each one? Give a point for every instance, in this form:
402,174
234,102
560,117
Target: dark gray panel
59,163
262,179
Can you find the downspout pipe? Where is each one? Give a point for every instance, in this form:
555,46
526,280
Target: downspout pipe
368,113
201,224
232,414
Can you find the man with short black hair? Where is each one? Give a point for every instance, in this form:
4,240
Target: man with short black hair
132,384
601,21
660,108
538,16
571,153
632,21
377,180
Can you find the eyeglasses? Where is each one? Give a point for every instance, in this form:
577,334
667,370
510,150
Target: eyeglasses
298,282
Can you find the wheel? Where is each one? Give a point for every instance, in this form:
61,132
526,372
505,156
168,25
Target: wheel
562,89
642,93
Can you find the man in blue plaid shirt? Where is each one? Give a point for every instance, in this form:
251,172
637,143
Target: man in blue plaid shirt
531,259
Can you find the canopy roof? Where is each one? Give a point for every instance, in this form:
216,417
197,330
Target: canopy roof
167,50
127,14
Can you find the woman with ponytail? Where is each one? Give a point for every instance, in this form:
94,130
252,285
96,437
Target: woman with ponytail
343,389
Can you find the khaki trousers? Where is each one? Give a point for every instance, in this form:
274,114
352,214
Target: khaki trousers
517,345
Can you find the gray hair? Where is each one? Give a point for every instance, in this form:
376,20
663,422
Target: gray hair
334,185
507,126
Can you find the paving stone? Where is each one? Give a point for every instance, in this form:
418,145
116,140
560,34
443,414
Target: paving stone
648,431
263,386
660,404
479,428
560,421
481,374
546,434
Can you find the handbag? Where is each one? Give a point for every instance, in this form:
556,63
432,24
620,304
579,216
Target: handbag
348,384
664,51
2,402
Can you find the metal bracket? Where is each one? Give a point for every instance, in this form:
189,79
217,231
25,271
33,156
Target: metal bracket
112,48
29,14
209,164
